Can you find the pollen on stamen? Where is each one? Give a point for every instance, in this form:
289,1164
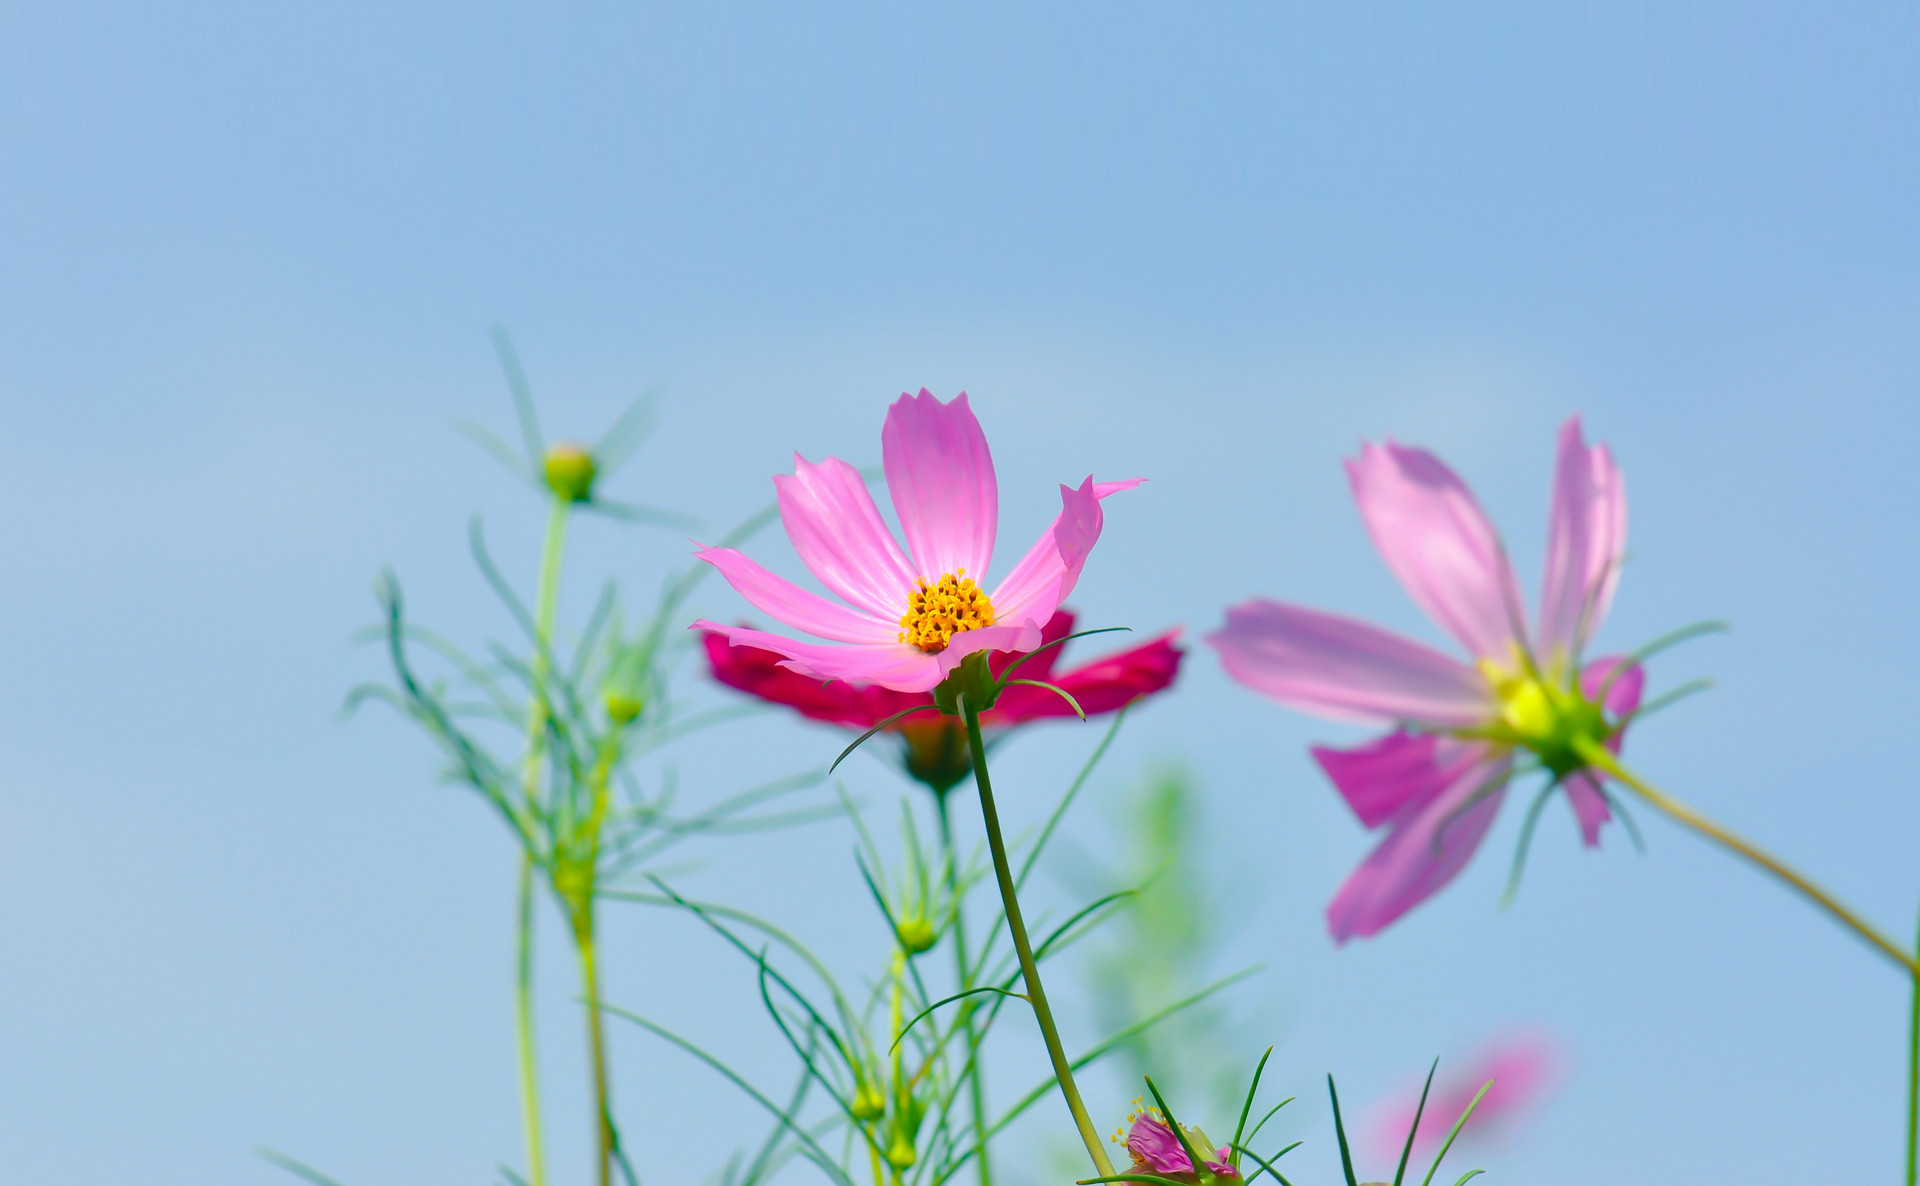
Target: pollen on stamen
938,611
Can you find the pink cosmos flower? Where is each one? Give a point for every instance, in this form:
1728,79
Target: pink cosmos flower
1525,1068
1156,1150
1436,780
907,618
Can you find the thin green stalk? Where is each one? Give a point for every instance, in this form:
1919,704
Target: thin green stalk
523,1023
976,1089
596,1042
545,609
582,892
1601,757
550,555
1913,1085
1017,930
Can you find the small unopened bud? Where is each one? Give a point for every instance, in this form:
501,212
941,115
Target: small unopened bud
622,707
917,935
868,1103
570,472
900,1154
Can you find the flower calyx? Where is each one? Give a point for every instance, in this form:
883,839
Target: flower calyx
1548,714
972,678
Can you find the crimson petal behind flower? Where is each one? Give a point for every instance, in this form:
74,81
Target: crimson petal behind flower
1104,685
1437,781
941,478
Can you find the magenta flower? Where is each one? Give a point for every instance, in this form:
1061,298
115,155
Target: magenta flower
907,618
1524,1068
1156,1150
1436,781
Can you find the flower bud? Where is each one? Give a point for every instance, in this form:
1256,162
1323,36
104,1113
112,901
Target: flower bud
917,934
570,471
900,1154
622,707
868,1103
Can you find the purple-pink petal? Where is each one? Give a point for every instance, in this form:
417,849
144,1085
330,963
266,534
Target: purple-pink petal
1429,843
1379,778
1345,669
795,606
841,538
1437,540
940,474
1586,538
1047,573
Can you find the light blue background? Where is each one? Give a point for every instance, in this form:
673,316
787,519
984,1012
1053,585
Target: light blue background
248,258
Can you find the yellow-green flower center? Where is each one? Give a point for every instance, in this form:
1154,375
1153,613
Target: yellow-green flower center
938,611
1547,713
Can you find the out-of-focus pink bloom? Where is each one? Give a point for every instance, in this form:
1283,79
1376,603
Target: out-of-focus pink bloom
1156,1150
1525,1068
907,618
1436,781
936,746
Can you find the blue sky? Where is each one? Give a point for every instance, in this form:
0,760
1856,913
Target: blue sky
249,256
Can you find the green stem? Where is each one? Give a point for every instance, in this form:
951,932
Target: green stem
1017,930
1599,756
550,554
523,1022
596,1042
976,1090
1913,1086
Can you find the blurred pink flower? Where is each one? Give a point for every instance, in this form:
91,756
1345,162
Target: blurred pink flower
1525,1067
908,617
1437,780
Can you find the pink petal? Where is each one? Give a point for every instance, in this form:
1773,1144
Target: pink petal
1586,538
1043,662
1524,1067
1381,777
1623,697
795,606
891,665
1583,788
840,536
941,477
1430,842
1047,573
1437,540
1017,637
1589,805
1344,669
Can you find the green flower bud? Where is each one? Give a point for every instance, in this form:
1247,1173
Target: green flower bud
622,707
917,934
868,1103
570,472
900,1154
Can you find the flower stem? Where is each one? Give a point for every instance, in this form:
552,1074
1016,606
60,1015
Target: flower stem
1601,757
596,1043
550,554
976,1090
1017,929
1913,1087
523,1024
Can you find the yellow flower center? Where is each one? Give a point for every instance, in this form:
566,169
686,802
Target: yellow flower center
938,611
1547,713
